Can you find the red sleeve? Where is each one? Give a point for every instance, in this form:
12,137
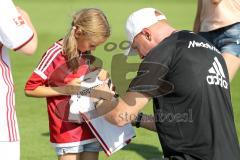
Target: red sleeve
44,68
34,81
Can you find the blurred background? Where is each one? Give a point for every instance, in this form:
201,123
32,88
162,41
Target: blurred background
52,20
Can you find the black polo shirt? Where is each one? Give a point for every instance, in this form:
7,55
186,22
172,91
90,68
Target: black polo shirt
188,80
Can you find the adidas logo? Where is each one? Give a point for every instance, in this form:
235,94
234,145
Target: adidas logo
217,76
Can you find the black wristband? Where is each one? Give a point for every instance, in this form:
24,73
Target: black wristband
138,119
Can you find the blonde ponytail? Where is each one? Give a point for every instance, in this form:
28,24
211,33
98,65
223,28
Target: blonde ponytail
70,49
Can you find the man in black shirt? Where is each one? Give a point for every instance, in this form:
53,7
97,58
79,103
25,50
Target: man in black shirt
187,79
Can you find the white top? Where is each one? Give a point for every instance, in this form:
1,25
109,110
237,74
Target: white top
214,16
14,33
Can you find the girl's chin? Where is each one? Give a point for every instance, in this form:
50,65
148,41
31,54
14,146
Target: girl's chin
82,50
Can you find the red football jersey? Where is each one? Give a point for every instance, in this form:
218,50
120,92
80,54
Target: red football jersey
53,71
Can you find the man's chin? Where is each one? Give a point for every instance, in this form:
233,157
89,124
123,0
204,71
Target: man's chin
141,56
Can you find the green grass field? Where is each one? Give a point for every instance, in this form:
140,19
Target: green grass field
52,19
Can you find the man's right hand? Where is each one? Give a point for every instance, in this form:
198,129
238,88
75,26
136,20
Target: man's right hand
102,92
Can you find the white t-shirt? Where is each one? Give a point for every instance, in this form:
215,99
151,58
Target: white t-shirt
14,34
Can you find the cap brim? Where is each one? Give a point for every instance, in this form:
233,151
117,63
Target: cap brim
130,52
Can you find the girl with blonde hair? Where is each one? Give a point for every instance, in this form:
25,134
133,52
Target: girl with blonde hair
59,70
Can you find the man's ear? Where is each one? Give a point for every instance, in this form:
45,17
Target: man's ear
147,33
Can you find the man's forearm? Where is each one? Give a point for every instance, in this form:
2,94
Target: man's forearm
102,108
124,109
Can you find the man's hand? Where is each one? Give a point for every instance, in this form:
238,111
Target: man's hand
102,92
127,108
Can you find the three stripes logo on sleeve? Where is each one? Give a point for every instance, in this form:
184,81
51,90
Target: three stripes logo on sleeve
217,76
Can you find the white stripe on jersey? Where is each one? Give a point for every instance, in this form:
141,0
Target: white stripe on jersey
40,74
53,57
7,102
45,57
47,60
13,104
4,108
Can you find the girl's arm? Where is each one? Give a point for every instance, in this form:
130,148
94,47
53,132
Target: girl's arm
35,88
197,23
42,91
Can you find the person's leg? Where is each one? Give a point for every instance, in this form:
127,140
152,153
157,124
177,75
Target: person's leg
91,151
233,64
70,156
228,42
80,156
69,153
89,155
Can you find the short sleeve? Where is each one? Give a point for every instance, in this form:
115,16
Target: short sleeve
39,77
151,78
50,59
34,81
45,67
14,31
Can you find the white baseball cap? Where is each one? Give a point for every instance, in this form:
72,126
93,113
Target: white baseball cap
139,20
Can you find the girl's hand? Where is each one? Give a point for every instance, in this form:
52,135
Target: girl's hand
103,75
75,82
73,87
